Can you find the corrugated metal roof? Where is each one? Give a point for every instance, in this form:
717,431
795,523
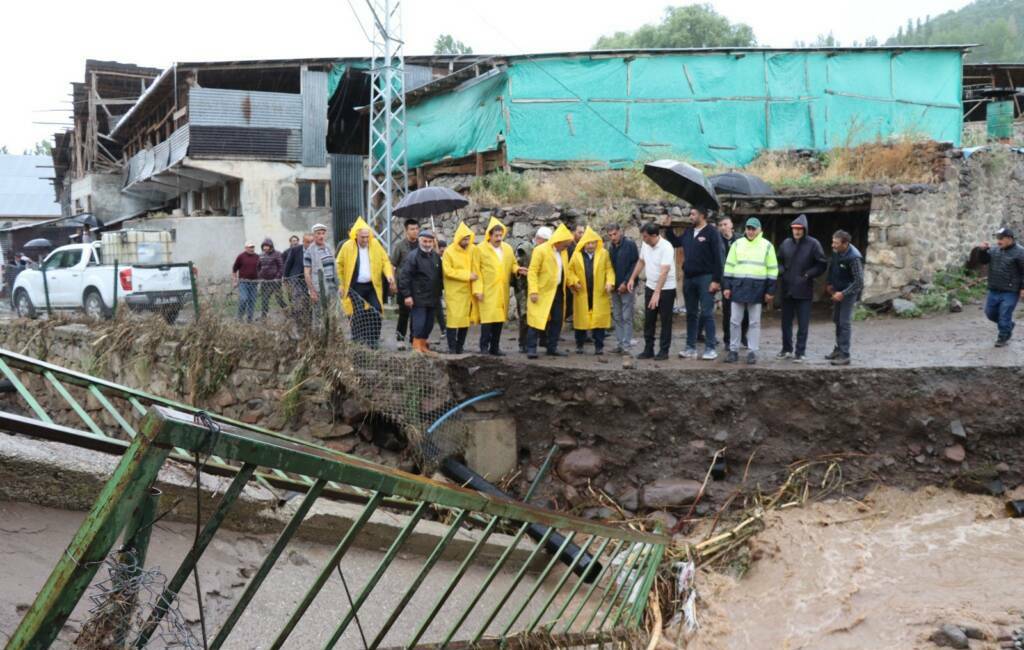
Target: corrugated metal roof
25,187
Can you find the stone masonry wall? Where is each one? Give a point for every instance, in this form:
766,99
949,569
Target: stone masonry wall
914,230
918,230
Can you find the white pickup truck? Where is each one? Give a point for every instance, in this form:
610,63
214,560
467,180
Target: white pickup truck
76,278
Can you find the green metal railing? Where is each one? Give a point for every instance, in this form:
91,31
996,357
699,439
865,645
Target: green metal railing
541,599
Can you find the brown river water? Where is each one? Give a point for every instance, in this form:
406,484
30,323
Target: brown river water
881,573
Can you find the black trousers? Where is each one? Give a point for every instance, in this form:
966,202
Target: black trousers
802,310
366,313
490,338
598,334
726,317
651,317
403,320
422,321
553,329
456,339
440,317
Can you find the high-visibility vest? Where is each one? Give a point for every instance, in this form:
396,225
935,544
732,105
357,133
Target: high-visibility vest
753,259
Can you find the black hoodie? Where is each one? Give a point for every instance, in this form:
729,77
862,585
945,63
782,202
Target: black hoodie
800,261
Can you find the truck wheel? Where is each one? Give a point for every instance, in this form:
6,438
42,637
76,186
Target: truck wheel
170,314
93,305
23,304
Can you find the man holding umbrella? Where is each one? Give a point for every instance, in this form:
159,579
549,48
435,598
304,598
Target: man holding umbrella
399,252
419,288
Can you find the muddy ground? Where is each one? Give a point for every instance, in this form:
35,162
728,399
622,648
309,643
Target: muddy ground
930,402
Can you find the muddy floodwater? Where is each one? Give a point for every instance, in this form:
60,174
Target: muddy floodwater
881,573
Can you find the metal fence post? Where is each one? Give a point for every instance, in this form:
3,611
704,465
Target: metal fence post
195,293
324,312
46,289
113,306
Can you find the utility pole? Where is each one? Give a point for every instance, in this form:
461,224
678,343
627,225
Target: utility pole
388,159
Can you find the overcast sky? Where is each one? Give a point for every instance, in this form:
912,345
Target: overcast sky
45,43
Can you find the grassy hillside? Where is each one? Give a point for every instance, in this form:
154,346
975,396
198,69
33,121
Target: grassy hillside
997,25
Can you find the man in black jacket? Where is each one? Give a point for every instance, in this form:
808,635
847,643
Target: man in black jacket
801,259
419,288
1005,281
845,282
624,256
294,280
398,254
702,278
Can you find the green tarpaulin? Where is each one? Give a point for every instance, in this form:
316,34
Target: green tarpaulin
714,107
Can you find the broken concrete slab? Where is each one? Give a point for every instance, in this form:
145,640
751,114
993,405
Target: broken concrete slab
491,448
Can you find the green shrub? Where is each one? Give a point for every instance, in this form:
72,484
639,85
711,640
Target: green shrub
500,187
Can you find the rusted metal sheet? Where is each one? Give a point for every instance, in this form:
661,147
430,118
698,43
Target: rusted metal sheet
245,109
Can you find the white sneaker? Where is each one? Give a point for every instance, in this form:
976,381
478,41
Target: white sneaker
709,355
689,353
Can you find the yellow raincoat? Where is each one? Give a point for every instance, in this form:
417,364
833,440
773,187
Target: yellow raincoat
543,278
457,263
583,317
495,276
348,259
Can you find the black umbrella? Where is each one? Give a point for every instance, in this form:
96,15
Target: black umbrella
38,244
683,180
87,220
740,183
429,201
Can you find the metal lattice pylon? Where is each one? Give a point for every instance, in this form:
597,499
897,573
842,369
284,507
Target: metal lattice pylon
389,162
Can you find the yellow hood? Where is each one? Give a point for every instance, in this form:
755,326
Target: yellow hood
561,234
359,225
462,231
589,236
492,225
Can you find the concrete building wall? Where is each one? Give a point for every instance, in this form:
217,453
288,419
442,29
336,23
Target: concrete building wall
270,196
211,243
107,199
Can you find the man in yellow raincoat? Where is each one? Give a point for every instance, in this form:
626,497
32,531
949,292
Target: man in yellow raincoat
363,265
496,265
592,279
458,268
546,285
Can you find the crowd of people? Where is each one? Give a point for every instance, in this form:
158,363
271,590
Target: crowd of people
577,276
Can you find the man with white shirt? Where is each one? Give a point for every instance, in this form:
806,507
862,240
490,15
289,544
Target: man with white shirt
545,310
658,262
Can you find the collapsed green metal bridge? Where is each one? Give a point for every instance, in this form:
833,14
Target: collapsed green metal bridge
596,595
